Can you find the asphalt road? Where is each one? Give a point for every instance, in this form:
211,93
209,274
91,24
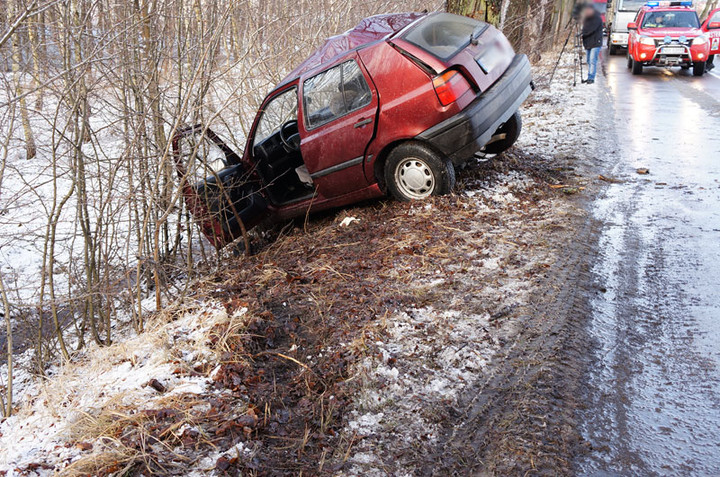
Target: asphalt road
653,405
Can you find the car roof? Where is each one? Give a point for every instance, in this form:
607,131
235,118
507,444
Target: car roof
370,30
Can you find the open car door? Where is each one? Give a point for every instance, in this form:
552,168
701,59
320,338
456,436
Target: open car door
219,190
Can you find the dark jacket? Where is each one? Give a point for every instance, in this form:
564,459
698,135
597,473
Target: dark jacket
592,32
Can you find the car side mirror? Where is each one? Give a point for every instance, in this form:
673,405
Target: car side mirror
632,26
713,25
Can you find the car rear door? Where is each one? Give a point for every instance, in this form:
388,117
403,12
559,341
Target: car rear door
219,191
338,114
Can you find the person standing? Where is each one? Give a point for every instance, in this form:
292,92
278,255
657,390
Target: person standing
592,35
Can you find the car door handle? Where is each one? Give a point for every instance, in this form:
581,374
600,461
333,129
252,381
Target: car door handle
362,122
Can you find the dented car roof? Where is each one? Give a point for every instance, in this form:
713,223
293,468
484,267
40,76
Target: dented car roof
370,30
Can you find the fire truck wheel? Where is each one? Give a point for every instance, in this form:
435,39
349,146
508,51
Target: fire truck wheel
699,68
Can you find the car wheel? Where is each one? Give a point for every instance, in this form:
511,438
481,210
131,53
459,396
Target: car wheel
699,68
629,61
413,171
612,50
637,67
685,66
511,129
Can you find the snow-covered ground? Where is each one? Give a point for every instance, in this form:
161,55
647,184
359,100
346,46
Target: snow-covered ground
61,410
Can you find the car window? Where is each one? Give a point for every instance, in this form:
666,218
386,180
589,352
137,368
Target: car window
670,20
630,5
278,111
443,35
334,93
715,18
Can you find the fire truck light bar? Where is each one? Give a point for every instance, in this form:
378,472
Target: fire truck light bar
684,3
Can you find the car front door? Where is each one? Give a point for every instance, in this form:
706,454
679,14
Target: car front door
220,192
339,109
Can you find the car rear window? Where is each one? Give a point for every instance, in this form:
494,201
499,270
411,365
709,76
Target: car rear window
443,35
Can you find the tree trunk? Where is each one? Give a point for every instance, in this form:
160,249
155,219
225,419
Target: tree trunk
30,149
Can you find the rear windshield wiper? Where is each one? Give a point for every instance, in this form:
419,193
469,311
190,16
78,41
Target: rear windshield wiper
479,30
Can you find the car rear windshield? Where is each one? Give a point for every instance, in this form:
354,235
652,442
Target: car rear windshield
443,35
671,20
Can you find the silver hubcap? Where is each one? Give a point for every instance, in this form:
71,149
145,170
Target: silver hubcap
414,178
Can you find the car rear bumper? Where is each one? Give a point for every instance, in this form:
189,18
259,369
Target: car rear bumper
466,133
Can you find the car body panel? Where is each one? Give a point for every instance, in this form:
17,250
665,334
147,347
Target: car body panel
713,33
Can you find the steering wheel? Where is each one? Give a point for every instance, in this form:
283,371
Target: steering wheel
290,135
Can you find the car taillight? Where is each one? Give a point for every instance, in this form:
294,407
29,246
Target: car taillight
449,86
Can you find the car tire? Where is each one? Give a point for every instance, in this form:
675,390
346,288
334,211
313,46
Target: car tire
629,61
699,68
637,67
414,171
685,67
511,129
612,50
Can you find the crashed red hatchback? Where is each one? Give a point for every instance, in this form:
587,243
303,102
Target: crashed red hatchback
391,106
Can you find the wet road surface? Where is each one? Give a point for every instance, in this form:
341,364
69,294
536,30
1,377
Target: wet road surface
654,379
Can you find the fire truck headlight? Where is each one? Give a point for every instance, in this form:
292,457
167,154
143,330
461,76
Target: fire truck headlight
646,40
699,40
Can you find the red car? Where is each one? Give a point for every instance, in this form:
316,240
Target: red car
391,106
667,34
711,28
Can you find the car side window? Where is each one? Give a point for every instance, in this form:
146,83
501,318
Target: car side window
334,93
278,111
715,18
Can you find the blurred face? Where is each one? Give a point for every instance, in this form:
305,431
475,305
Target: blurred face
659,19
589,11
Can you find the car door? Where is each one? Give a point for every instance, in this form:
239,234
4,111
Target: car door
712,28
339,110
219,191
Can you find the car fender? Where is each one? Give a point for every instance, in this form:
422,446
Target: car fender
408,103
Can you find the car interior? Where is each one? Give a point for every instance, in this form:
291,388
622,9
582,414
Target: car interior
281,167
276,151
